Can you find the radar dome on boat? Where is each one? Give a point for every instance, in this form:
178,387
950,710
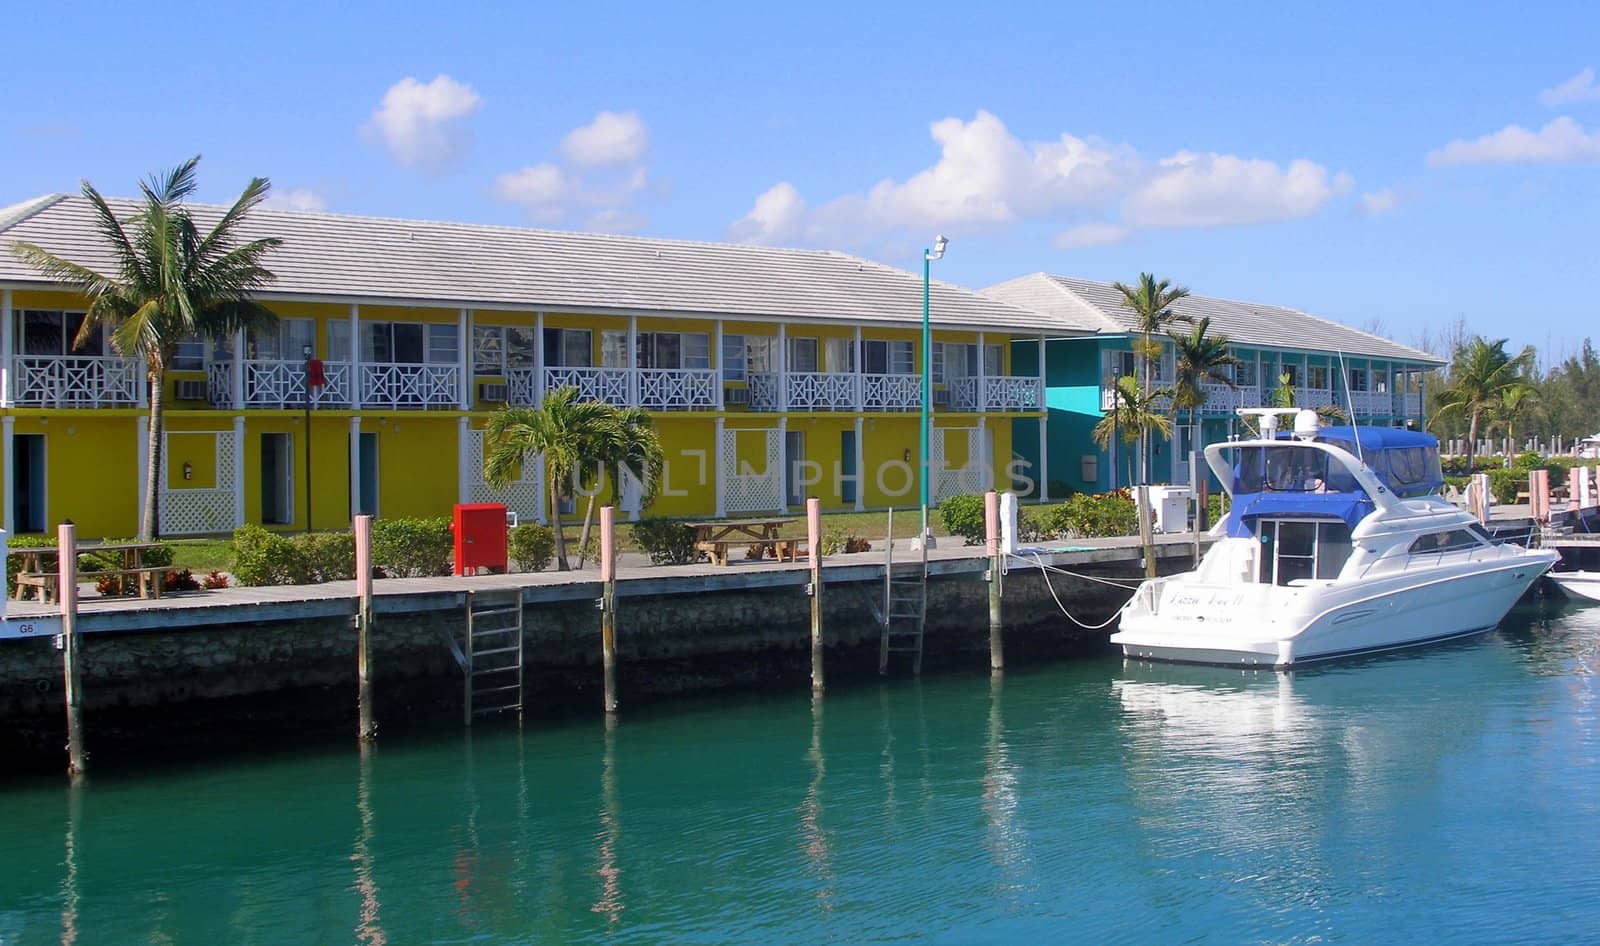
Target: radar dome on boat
1307,425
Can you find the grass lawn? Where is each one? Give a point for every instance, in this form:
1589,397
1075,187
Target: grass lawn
201,555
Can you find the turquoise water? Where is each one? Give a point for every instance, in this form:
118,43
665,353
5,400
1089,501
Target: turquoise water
1447,795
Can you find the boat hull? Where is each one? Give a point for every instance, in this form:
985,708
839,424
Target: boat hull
1583,586
1281,627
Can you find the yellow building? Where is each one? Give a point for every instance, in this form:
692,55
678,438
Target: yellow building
772,374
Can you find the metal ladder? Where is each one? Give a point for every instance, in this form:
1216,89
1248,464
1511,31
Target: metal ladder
491,664
905,605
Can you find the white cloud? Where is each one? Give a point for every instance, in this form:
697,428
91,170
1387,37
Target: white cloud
986,177
777,216
1562,141
1378,203
302,199
598,183
1213,190
1086,235
423,125
611,139
1579,88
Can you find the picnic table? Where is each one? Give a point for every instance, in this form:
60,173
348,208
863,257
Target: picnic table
717,538
39,568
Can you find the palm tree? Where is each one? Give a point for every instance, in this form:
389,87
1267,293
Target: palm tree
1200,358
1151,302
565,431
631,444
169,284
1519,402
1481,374
1133,416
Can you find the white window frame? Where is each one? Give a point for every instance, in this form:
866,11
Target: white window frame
810,362
898,357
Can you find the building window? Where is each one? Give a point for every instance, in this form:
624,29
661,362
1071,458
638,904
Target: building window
1317,377
841,355
613,348
409,343
44,332
994,360
497,349
1124,364
732,359
285,341
886,357
1290,371
674,350
1358,379
803,355
570,347
1244,374
190,356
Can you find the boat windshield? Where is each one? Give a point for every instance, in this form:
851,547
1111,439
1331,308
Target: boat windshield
1290,468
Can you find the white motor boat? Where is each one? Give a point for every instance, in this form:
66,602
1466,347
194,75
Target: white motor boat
1584,586
1336,543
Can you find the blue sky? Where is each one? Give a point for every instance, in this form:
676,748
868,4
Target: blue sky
1359,162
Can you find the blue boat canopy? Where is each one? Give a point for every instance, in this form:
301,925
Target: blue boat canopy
1289,481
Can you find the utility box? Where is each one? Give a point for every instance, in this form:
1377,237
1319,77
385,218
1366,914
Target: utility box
480,534
1171,507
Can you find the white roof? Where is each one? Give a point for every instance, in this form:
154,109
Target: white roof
1097,307
420,262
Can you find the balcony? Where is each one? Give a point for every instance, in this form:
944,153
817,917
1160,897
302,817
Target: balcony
607,385
891,392
278,384
74,381
822,391
410,385
678,389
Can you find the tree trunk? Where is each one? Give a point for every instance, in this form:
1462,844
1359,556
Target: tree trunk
1144,432
583,535
555,522
152,478
1472,441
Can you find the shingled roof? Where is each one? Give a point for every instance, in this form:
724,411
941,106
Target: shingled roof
420,262
1097,307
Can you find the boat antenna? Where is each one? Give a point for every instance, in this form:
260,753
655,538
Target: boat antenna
1350,402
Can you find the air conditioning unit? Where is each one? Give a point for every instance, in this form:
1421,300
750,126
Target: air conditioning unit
736,397
492,392
941,397
190,389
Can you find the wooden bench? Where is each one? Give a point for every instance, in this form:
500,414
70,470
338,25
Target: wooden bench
46,582
784,550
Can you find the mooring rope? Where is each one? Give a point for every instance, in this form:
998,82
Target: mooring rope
1045,570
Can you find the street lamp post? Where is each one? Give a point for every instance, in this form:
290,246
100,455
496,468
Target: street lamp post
305,353
928,256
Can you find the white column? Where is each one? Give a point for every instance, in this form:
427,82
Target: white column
861,464
538,365
141,433
6,345
464,323
782,364
719,487
355,463
238,470
7,430
632,361
859,385
983,375
716,356
1044,460
783,464
355,367
463,468
236,379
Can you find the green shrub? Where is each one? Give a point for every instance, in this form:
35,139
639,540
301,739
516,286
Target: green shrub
666,541
963,516
1095,516
1035,525
266,558
531,546
835,542
1528,460
327,556
412,548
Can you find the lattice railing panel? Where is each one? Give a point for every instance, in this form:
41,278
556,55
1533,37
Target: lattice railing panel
74,381
525,496
754,491
891,392
763,391
407,385
1015,393
203,511
822,391
608,385
282,384
522,388
677,389
962,394
219,383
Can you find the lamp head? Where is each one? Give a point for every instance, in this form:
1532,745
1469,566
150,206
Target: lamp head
939,243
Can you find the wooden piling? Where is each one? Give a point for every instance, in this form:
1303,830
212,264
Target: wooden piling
1146,540
67,578
991,536
367,727
814,550
608,604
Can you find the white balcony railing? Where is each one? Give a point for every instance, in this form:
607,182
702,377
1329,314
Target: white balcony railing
522,387
677,389
74,381
410,385
763,391
1015,393
279,384
1413,405
960,394
890,392
609,385
822,391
